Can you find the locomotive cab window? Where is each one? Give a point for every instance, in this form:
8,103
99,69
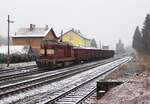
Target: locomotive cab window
42,51
50,51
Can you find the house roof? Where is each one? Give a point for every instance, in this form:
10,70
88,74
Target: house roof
36,32
78,33
15,49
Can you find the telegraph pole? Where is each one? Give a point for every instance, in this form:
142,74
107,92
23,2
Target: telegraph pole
8,57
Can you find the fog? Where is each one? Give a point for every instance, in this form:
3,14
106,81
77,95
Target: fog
105,20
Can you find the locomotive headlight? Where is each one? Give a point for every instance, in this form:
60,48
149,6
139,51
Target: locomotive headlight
50,51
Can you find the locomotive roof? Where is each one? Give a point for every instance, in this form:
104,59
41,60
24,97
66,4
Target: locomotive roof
88,48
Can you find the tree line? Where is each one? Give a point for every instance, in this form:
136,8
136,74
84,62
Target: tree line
141,38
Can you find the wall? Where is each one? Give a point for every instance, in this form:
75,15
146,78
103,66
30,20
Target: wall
33,42
75,39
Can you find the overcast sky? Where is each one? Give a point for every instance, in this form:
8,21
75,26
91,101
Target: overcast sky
106,20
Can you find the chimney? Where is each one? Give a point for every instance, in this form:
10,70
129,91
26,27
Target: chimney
46,27
72,29
61,36
61,32
78,31
32,26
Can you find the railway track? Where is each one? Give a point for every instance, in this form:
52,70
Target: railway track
22,74
17,70
90,99
4,80
34,82
79,93
76,92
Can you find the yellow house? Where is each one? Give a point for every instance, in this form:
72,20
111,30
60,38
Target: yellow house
75,38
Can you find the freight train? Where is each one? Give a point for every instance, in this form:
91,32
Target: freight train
54,52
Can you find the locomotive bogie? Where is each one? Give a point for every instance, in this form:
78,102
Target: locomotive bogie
47,63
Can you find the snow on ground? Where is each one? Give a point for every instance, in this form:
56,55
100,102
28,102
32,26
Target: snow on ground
135,90
44,74
15,68
55,86
128,93
15,49
23,64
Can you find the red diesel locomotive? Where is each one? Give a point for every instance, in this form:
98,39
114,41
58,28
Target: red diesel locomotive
54,52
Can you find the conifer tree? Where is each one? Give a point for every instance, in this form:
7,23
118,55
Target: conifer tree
146,34
93,43
137,41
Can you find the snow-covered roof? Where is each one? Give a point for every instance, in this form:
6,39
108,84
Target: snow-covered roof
36,32
15,49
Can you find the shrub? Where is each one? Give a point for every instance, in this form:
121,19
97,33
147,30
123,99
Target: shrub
16,58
